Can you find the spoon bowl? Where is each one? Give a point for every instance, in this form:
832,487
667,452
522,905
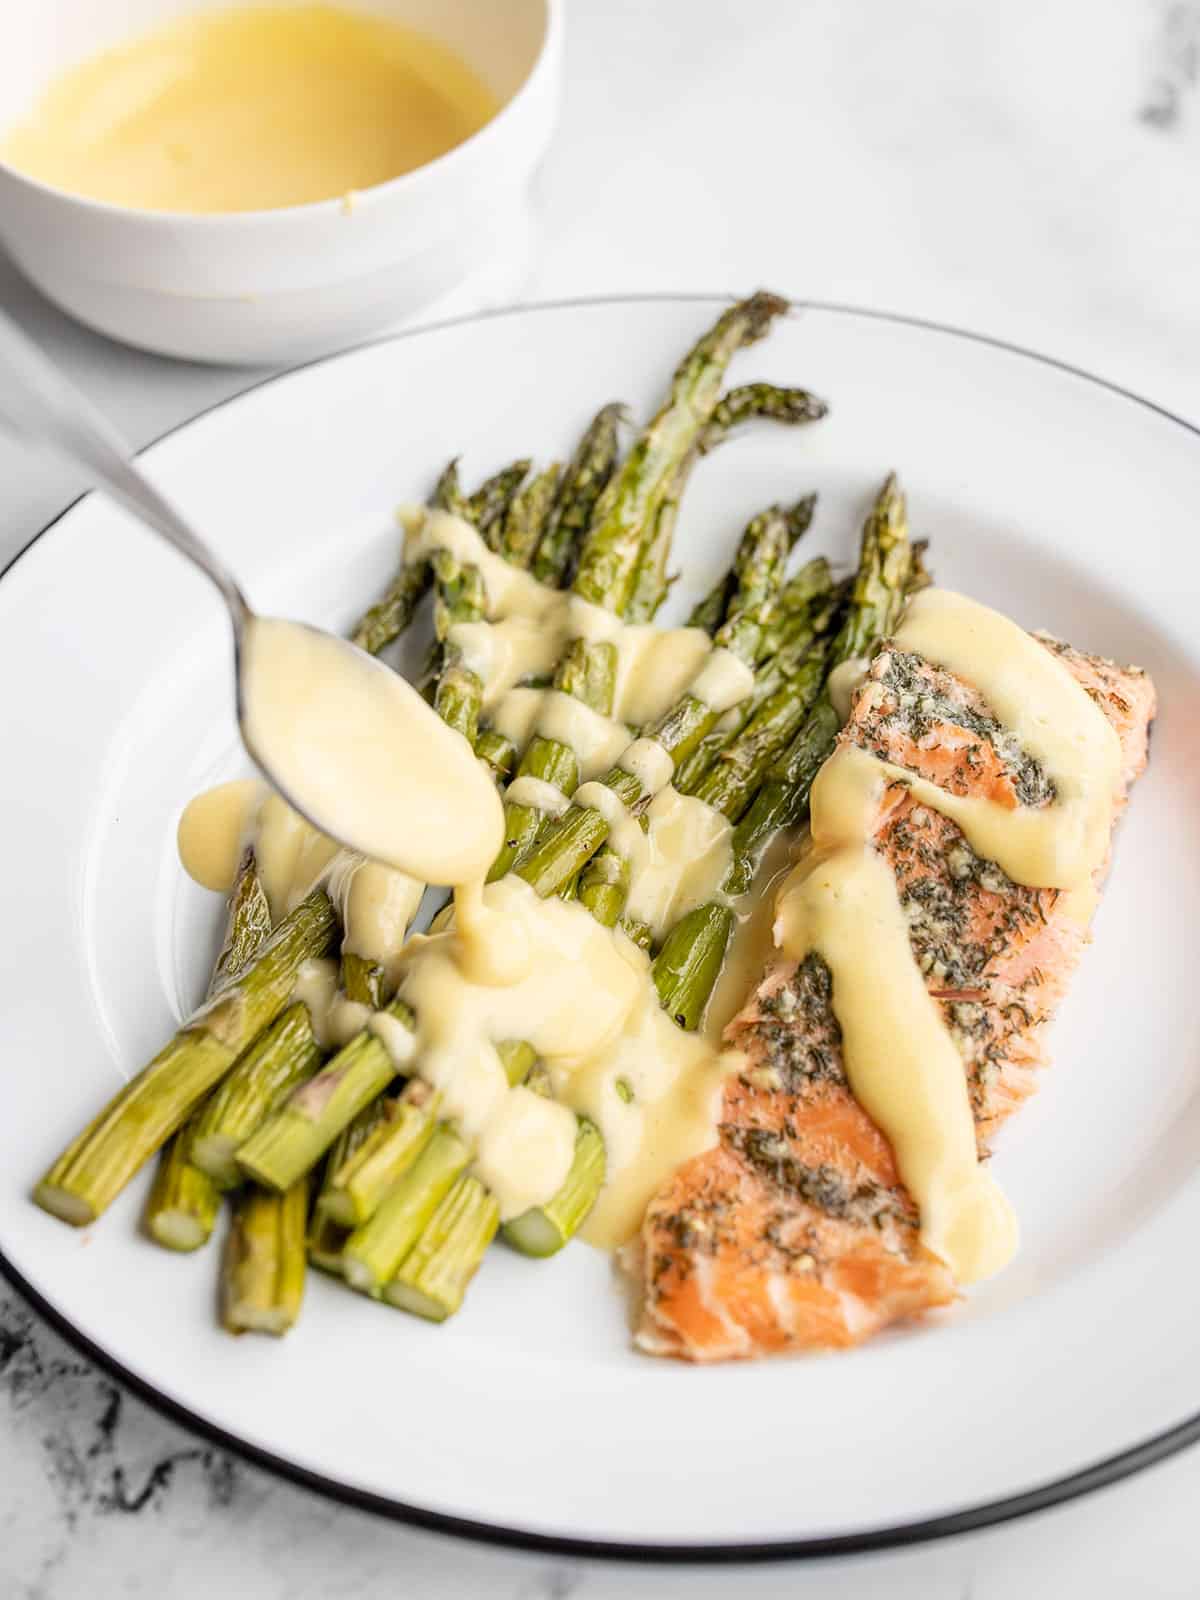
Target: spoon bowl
346,741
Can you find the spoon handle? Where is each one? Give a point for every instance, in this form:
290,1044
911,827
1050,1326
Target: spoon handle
39,403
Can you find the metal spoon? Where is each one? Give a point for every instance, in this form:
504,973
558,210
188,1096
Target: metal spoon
39,403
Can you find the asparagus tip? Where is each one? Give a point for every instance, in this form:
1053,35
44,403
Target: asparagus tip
761,307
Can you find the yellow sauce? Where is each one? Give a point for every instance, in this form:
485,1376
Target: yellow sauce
214,829
752,946
684,857
841,901
250,109
903,1065
529,626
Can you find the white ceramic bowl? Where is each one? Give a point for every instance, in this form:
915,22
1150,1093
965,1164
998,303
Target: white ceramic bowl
269,286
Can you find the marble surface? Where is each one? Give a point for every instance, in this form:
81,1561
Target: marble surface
1030,170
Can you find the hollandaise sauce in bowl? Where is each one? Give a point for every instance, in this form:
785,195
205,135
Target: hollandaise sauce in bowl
266,181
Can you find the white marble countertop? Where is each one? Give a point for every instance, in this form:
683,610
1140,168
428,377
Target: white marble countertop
1029,170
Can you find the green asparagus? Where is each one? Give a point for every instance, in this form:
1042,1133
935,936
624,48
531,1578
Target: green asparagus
144,1113
433,1278
374,1251
525,519
183,1203
586,475
394,610
284,1055
488,506
356,1185
691,955
766,400
262,1276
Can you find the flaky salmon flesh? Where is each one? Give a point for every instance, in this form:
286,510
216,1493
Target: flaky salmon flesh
794,1232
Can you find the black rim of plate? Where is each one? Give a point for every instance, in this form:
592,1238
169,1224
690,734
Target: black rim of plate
1006,1509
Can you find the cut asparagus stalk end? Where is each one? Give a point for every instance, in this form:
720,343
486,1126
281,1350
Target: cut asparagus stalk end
262,1283
434,1277
183,1203
353,1190
63,1203
179,1230
375,1251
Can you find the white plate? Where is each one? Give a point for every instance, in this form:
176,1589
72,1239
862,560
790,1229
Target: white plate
529,1418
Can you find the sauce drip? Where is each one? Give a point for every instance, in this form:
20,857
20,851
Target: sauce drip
841,901
527,629
214,829
251,109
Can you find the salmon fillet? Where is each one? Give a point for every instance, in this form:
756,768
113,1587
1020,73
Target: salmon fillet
795,1231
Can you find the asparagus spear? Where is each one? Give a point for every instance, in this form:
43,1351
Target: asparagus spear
767,400
98,1164
394,610
459,592
626,508
284,1055
433,1278
587,473
291,1141
808,611
461,597
374,1251
326,1237
488,506
692,953
604,880
783,799
248,924
710,612
183,1203
650,582
262,1276
730,783
737,406
498,754
526,517
447,492
690,960
355,1185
